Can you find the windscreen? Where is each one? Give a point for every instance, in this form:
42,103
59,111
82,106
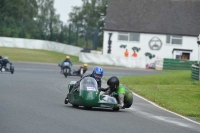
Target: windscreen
89,84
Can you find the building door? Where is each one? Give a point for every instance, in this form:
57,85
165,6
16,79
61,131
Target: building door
186,56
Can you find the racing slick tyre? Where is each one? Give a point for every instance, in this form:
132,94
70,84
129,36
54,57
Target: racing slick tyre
128,105
74,105
88,108
116,109
12,71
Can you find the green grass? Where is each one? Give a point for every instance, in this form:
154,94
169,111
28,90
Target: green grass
174,90
30,55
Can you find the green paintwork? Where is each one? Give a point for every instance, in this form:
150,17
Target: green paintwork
91,97
136,49
176,64
87,99
149,55
195,72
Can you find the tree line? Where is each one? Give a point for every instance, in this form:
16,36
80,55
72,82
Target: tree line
37,19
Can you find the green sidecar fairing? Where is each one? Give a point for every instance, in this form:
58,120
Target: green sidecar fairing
87,95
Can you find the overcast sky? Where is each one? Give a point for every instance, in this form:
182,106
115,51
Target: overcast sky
64,7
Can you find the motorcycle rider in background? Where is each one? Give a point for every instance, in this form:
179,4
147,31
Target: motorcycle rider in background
4,63
97,74
85,67
67,59
1,61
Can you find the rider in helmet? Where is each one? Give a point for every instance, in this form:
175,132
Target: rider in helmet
85,67
97,74
1,60
67,59
115,86
4,63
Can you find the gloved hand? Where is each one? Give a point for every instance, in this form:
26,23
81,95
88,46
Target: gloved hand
114,94
103,89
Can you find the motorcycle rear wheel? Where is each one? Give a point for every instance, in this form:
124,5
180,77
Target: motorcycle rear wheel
12,71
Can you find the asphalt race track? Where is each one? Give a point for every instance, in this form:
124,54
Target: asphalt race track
32,101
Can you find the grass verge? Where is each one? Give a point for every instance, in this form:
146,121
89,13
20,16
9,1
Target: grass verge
174,90
31,55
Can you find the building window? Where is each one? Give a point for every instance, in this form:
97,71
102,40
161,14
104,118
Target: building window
122,36
174,40
183,56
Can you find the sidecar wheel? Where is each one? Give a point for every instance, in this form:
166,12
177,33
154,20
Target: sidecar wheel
88,108
74,105
128,105
116,109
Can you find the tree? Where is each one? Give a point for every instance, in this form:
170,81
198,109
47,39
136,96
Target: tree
89,16
47,20
29,19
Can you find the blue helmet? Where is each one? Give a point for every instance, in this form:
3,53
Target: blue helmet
97,73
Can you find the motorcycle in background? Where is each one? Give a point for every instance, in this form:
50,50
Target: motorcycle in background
11,69
73,73
78,73
66,70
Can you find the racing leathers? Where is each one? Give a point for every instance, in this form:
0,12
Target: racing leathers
79,70
4,63
121,93
63,65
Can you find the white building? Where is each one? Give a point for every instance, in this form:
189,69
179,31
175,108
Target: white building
162,28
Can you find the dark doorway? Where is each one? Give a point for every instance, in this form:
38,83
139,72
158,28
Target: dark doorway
186,56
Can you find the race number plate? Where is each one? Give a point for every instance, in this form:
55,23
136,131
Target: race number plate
66,63
91,89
